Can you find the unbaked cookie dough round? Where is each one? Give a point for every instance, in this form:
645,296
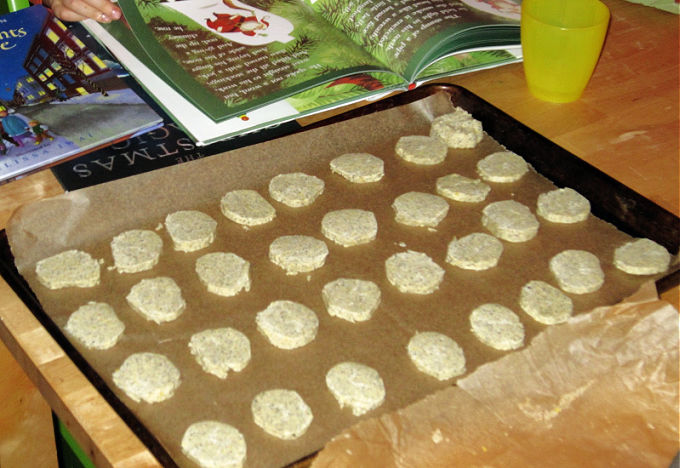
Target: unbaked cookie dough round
247,207
190,230
421,149
356,385
420,209
577,271
157,299
462,189
69,268
298,254
148,377
436,354
359,168
510,220
563,205
95,325
224,273
497,326
502,166
281,413
642,257
413,272
353,300
476,251
220,350
287,324
458,129
136,250
214,444
545,303
349,227
295,189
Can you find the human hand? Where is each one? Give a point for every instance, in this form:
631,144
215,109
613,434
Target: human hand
103,11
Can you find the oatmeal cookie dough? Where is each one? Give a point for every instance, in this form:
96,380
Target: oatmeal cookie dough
545,303
497,326
71,268
223,273
247,207
642,257
298,254
190,230
296,189
287,324
510,220
281,413
421,149
436,355
157,299
476,251
356,385
349,227
420,209
413,272
95,325
214,444
502,167
458,129
577,271
148,377
136,250
359,168
462,189
220,350
353,300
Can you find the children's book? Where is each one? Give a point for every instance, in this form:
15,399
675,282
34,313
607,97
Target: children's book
61,95
225,67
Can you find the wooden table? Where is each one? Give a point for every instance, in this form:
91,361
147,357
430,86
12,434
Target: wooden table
626,124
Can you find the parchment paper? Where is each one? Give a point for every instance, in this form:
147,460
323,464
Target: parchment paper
89,218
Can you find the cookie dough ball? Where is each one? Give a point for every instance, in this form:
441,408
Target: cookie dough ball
510,221
214,444
563,205
353,300
436,354
642,257
349,227
421,149
190,230
136,250
458,129
298,254
157,299
502,167
95,325
545,303
247,207
359,168
281,413
356,385
577,271
148,377
462,189
413,272
497,326
420,209
296,189
224,273
287,324
220,350
476,251
67,269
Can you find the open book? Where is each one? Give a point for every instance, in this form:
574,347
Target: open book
240,66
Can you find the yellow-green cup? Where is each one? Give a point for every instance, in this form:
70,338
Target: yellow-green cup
561,43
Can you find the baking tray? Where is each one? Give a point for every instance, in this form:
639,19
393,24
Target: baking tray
610,200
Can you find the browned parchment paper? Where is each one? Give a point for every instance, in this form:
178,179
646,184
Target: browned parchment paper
599,390
89,218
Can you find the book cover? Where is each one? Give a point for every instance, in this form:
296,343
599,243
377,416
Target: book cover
59,97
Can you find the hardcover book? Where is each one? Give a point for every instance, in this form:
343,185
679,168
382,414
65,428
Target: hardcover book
222,68
59,96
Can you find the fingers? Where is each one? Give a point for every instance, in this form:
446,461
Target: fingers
103,11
